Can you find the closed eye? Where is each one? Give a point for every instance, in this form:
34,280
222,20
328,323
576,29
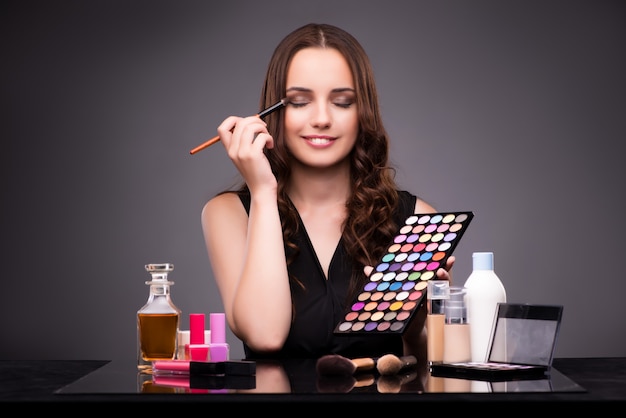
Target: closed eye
299,97
298,103
343,103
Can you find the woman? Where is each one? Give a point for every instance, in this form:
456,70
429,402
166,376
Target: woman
318,207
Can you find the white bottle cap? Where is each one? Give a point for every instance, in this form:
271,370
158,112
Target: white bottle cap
482,261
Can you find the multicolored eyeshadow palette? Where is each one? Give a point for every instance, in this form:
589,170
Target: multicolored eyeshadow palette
397,285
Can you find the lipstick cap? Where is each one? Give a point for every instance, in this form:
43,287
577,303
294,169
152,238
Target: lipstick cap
196,328
218,328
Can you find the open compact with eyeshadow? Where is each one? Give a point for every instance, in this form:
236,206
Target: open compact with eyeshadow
397,285
522,345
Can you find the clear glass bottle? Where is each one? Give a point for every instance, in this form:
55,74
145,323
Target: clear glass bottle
158,320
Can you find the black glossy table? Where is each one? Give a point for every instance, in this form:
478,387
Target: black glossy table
63,383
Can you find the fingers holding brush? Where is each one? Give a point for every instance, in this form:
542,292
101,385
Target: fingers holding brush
239,135
221,133
245,140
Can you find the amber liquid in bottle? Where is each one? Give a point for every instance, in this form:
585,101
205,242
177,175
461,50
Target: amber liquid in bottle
157,320
156,332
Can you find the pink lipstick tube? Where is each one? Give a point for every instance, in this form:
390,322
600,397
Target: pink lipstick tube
198,349
219,349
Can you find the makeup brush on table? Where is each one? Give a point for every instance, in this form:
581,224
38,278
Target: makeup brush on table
338,365
335,364
390,364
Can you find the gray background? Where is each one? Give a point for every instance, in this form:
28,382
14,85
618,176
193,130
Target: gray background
515,110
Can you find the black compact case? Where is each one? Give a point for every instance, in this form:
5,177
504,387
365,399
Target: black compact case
523,341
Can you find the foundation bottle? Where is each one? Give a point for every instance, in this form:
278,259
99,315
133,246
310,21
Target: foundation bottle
438,291
456,330
158,320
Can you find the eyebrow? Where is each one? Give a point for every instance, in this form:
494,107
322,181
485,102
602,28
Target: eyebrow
307,90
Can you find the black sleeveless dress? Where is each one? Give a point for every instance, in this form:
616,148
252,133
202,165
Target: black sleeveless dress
322,303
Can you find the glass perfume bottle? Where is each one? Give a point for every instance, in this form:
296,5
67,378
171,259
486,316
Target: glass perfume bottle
158,320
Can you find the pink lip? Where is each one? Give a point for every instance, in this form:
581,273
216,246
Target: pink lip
309,139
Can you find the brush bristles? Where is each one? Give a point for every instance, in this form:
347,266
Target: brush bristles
390,364
337,365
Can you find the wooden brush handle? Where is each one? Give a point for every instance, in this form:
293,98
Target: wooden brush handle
364,363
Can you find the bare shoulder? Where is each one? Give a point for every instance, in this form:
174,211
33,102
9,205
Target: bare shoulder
227,199
225,206
421,206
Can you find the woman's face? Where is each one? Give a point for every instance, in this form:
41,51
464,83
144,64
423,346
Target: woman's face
321,121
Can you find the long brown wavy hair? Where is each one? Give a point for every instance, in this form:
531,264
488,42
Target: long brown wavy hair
369,224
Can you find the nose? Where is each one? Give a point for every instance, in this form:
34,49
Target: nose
321,117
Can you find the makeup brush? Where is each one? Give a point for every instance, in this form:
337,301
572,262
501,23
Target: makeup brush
390,364
261,114
338,365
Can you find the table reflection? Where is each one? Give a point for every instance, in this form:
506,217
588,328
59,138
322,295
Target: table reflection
300,376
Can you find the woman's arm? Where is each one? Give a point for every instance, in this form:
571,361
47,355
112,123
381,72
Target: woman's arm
248,261
246,251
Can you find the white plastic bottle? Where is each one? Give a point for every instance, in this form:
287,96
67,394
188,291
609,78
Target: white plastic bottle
483,292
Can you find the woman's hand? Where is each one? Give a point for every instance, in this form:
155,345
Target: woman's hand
445,273
245,140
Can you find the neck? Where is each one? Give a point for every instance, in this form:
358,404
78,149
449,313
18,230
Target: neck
319,187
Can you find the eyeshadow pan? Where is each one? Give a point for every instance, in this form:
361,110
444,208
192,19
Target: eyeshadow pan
421,285
397,286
